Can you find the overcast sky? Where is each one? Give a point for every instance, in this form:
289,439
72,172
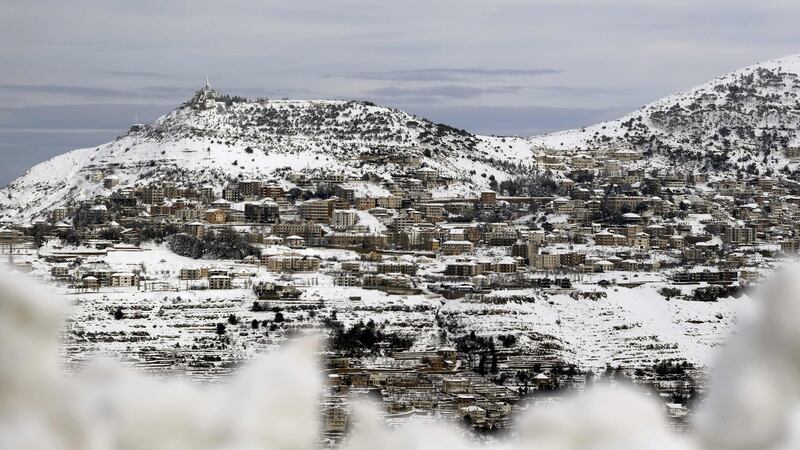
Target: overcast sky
78,73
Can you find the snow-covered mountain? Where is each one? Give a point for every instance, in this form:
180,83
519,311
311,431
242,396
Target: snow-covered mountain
215,138
740,121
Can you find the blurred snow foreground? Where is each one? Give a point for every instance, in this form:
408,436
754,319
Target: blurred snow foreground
273,403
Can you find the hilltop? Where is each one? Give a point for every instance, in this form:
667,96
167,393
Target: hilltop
738,123
214,138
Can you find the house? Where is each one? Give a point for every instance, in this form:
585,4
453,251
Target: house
739,235
640,241
98,214
215,216
427,174
91,283
273,240
677,241
60,271
266,211
457,247
317,210
124,279
473,414
461,269
295,242
290,263
195,229
58,214
608,238
629,265
336,419
193,273
507,265
603,266
342,219
346,279
455,385
110,181
546,261
219,282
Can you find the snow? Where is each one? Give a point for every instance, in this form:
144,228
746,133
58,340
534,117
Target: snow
371,222
616,330
208,147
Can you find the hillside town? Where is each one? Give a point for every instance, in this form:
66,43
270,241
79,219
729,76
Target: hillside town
379,262
386,225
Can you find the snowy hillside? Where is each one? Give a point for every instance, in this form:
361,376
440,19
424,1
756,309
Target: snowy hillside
740,121
216,138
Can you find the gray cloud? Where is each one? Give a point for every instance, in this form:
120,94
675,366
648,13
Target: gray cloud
95,93
108,117
83,91
133,74
453,91
521,121
445,74
167,94
578,90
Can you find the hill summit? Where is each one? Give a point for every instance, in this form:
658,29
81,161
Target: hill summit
740,122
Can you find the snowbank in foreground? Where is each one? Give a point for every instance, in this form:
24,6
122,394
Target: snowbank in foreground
273,403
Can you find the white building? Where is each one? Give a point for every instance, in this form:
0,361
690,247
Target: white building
342,219
124,279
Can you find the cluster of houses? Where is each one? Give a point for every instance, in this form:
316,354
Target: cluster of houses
413,382
605,211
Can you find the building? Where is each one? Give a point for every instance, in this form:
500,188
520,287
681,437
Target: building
290,263
572,259
461,269
91,283
546,261
249,189
396,266
739,235
488,197
308,230
712,277
110,181
506,265
316,210
193,273
195,229
608,238
336,419
295,242
640,241
219,282
342,219
455,385
272,191
98,214
124,279
215,216
261,212
60,271
346,279
457,247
